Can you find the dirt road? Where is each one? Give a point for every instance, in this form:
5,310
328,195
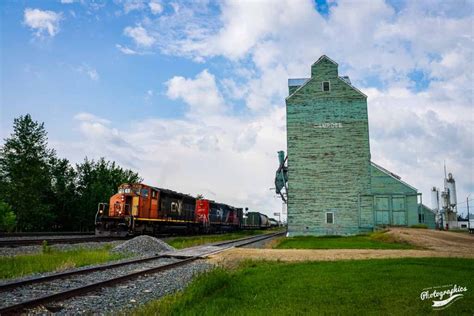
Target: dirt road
436,244
442,241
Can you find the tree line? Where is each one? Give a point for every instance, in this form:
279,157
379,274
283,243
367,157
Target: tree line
40,191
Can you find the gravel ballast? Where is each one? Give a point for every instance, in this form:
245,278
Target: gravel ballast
25,250
142,246
128,295
40,289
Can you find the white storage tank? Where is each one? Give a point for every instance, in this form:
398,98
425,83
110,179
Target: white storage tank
451,185
444,199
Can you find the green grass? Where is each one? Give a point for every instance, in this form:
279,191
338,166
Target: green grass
376,240
358,287
185,242
52,260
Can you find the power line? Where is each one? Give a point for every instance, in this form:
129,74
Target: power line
464,202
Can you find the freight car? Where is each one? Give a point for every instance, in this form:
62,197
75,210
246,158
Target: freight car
143,209
256,220
273,222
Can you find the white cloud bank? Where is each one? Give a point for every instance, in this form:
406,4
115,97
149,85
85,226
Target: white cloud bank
42,22
223,157
232,157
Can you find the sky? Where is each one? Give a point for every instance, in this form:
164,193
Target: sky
191,94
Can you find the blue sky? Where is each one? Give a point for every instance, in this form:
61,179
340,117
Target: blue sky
191,93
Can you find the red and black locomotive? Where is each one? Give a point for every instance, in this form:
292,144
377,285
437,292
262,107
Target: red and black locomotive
142,209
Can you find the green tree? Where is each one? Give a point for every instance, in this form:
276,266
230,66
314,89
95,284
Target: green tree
97,182
64,197
7,217
25,175
46,192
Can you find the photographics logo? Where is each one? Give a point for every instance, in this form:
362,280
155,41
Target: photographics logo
450,293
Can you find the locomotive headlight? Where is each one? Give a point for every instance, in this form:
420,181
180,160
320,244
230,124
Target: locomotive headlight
100,212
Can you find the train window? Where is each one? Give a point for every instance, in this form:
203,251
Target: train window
174,207
127,190
120,190
153,194
145,192
329,218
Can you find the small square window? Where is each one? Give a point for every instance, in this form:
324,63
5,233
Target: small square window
326,86
329,218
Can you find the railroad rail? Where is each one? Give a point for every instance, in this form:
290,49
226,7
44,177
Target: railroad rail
184,256
17,242
36,234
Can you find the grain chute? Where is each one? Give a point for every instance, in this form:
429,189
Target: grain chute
281,176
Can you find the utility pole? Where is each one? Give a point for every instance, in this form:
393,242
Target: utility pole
468,219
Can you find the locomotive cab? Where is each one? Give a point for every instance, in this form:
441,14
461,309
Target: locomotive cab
116,217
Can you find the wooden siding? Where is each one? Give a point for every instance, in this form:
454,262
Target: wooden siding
329,167
328,154
383,183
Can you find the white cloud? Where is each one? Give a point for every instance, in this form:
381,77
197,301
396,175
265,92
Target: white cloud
88,71
101,140
126,50
67,1
88,117
42,22
201,93
148,96
155,7
133,5
139,35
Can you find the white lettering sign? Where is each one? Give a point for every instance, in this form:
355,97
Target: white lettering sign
328,125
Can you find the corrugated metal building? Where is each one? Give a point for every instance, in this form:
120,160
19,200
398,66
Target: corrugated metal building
333,187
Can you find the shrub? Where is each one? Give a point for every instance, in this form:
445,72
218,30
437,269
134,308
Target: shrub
45,247
7,217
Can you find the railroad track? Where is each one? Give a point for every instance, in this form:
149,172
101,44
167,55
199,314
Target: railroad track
145,266
43,234
17,242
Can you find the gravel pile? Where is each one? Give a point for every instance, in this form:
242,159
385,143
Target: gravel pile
142,246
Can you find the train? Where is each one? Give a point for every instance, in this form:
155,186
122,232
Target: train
138,209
